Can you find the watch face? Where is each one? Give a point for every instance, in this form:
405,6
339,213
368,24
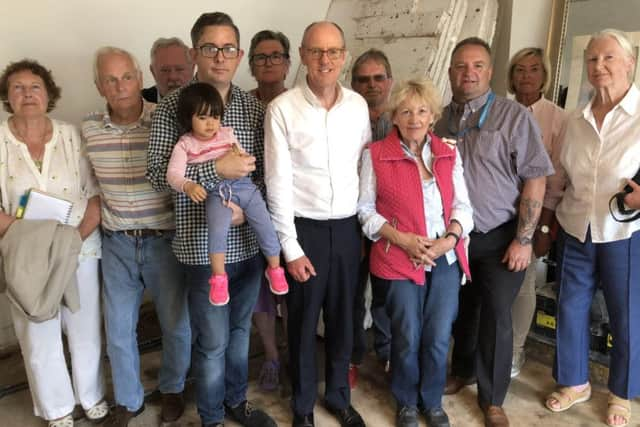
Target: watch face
544,229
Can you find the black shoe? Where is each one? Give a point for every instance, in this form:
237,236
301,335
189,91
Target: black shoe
347,417
248,416
121,416
436,417
172,407
302,420
407,416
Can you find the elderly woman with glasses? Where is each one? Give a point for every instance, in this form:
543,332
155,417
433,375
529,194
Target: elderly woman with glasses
37,152
269,62
415,208
600,152
528,80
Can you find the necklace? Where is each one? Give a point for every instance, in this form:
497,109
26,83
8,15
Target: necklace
35,146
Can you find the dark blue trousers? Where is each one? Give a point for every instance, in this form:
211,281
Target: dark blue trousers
333,247
616,265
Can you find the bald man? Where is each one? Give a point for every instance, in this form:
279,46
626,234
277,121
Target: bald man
314,135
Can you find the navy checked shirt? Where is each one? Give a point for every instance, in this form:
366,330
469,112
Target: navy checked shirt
245,114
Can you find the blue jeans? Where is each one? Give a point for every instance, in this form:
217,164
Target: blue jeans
581,267
221,336
421,321
129,265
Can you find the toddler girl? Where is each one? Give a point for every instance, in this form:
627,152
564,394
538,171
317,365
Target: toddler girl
200,109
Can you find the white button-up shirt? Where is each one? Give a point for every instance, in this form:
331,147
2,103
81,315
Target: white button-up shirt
311,159
592,166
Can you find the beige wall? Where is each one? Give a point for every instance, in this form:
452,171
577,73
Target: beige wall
521,23
63,35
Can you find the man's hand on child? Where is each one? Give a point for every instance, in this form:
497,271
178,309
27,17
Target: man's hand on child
196,192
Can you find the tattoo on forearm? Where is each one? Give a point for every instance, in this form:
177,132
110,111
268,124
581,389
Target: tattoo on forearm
528,219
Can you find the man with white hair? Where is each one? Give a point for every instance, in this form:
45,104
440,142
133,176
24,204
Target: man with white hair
171,67
138,227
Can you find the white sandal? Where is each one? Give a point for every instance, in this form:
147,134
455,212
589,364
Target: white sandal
66,421
98,412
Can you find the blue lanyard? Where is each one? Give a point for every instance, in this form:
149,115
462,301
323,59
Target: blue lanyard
483,118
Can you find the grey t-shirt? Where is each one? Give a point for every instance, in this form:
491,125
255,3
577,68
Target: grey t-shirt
498,154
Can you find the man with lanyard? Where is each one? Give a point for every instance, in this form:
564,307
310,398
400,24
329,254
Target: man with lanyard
221,333
505,165
314,135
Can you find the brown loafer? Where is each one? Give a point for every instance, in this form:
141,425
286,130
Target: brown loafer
494,416
454,384
172,407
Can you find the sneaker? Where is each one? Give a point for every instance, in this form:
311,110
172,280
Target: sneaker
407,416
277,282
248,416
269,378
517,362
436,417
219,289
353,376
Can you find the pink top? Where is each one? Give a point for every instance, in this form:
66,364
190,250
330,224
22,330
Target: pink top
189,150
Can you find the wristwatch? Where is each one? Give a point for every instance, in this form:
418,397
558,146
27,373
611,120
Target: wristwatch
544,229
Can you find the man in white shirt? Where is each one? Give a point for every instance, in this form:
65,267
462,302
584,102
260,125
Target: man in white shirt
314,135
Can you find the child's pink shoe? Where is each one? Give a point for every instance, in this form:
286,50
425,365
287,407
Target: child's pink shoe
277,282
219,289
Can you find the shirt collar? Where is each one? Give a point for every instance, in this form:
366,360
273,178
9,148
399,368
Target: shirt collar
313,99
475,104
143,121
628,104
536,105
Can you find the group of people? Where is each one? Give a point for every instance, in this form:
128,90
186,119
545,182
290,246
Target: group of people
197,195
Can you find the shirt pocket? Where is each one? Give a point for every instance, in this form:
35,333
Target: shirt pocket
493,150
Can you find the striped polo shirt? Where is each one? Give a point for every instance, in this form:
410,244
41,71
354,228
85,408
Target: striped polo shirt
118,154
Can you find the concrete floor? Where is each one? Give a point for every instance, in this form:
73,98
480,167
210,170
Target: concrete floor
371,398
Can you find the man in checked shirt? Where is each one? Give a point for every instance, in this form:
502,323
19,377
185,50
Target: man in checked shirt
221,333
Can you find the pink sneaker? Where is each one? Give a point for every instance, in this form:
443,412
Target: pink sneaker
277,282
219,289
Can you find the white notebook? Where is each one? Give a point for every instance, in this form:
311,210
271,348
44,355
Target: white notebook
41,205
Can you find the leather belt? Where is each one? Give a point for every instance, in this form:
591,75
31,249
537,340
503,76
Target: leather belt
143,232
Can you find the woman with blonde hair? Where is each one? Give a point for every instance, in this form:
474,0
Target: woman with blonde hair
415,208
528,80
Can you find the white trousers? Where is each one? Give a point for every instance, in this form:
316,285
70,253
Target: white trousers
41,343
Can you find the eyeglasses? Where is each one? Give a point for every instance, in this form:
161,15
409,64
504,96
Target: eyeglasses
275,58
332,53
211,51
378,78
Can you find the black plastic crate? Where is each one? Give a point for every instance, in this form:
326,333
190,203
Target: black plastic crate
544,321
